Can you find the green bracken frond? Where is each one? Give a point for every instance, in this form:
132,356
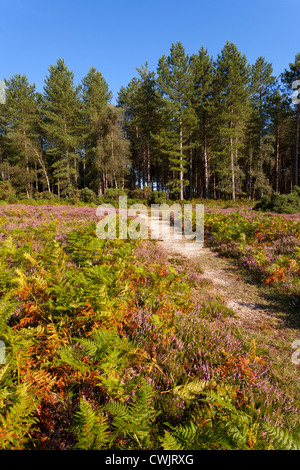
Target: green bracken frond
134,420
91,428
190,390
18,419
280,438
169,442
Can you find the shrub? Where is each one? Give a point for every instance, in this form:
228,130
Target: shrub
281,203
112,195
158,197
6,190
12,198
136,194
22,196
46,195
74,197
87,195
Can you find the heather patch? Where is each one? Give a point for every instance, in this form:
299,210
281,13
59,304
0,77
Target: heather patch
268,246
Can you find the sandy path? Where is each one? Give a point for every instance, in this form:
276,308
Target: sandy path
243,297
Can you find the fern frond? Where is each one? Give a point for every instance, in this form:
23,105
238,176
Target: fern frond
120,411
30,258
144,401
280,438
135,420
221,397
190,390
17,421
89,346
21,278
91,428
39,281
69,355
169,442
3,371
186,434
7,246
238,433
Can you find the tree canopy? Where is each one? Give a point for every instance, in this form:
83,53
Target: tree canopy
197,126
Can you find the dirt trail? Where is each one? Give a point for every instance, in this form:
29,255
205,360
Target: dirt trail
250,304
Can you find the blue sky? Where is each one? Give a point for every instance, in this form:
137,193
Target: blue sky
117,36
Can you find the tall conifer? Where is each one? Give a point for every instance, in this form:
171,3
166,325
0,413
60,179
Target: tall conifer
232,76
175,85
291,78
61,112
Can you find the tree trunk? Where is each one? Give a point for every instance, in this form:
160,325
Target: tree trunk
84,165
191,168
277,160
68,169
28,183
205,160
214,180
75,171
297,146
36,177
148,160
100,192
41,162
250,177
181,160
138,157
232,165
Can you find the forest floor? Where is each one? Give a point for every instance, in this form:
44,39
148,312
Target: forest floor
259,313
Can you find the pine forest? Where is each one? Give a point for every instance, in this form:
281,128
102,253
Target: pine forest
197,127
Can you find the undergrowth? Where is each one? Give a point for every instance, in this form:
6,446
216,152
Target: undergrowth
105,349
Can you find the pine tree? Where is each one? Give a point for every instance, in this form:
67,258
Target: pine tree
262,82
61,111
20,120
115,147
203,78
140,103
39,150
96,97
127,102
175,85
279,112
147,102
105,145
232,77
82,135
291,79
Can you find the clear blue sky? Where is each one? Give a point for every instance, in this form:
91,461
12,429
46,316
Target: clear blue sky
116,36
